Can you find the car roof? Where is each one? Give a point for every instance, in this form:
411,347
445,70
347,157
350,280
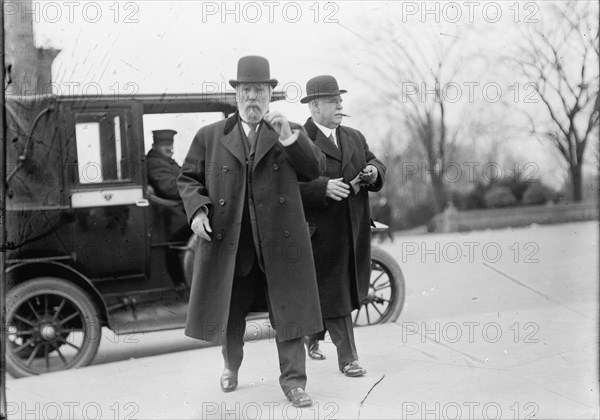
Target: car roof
152,103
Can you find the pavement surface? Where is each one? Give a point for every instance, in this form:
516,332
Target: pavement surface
497,325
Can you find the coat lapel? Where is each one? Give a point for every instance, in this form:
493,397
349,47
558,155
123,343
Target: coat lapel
233,142
347,147
327,146
267,138
232,139
320,140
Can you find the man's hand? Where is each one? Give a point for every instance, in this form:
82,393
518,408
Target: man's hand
369,174
279,123
336,189
201,225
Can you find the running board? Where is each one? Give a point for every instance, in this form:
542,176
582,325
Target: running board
158,317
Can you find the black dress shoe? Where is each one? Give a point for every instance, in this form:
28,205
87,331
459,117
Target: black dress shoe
299,398
229,380
312,346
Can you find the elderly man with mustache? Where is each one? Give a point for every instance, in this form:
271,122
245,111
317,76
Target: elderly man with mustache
239,184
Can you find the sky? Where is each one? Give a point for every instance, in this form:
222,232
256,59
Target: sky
193,46
177,46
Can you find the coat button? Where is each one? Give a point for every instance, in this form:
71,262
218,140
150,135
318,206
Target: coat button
221,202
219,236
281,200
275,167
286,233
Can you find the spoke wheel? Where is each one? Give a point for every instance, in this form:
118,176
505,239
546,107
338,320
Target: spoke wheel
386,291
51,325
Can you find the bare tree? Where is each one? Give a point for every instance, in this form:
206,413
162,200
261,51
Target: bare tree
561,56
412,77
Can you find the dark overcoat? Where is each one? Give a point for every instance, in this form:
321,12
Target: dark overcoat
215,174
162,174
341,230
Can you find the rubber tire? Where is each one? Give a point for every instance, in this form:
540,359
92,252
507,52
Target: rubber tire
399,289
56,286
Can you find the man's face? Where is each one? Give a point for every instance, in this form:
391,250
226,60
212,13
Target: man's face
165,149
253,100
327,111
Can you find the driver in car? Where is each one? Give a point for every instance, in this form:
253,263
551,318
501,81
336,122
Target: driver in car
161,167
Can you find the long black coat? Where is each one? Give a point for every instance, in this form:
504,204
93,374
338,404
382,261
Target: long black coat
214,174
162,174
341,230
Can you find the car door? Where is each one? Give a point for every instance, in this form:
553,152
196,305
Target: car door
106,191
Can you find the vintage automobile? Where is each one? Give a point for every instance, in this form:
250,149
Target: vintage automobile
88,243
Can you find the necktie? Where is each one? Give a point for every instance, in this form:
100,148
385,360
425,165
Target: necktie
252,135
332,140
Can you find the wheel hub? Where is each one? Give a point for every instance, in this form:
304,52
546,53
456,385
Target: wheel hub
372,297
48,332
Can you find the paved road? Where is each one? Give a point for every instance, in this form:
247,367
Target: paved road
497,324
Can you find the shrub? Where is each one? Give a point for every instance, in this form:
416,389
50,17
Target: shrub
537,193
499,196
469,200
517,185
416,215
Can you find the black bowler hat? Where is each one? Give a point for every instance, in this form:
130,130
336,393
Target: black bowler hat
318,86
253,69
163,136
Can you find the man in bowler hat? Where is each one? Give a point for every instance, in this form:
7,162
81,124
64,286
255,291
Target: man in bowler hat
239,185
162,169
337,209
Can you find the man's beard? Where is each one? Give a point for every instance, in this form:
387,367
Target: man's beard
253,114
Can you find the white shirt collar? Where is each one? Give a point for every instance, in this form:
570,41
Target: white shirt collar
246,126
326,130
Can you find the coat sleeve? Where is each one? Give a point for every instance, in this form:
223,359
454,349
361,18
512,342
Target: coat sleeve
305,157
192,179
162,179
313,192
372,160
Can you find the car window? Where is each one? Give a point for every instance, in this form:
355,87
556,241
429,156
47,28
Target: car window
186,125
101,150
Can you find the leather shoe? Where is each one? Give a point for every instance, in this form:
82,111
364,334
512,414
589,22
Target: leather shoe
299,398
353,369
312,346
229,380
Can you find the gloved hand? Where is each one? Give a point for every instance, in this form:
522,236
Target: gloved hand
201,225
366,177
369,174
